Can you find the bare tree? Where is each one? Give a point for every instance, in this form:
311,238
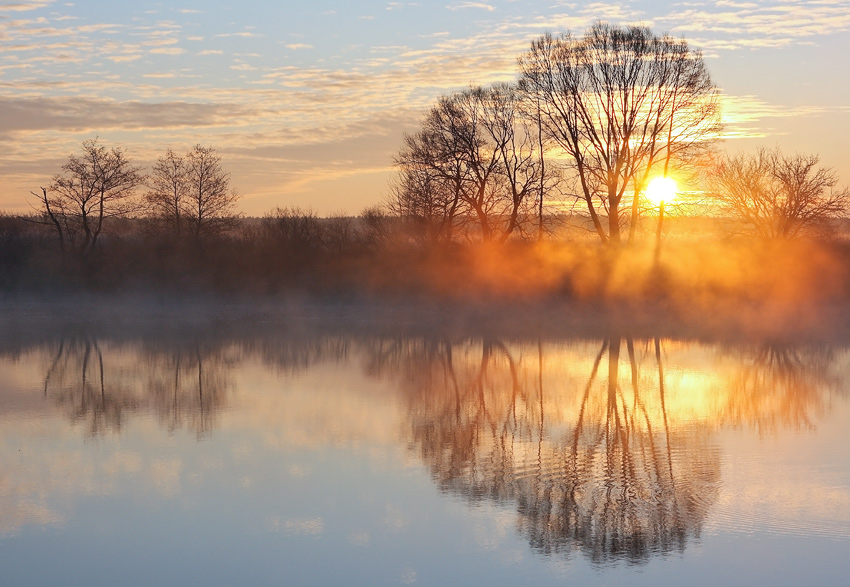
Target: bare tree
210,202
474,162
98,184
168,191
778,196
521,163
433,176
623,104
424,200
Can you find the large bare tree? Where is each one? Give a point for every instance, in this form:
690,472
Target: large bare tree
623,104
778,196
97,184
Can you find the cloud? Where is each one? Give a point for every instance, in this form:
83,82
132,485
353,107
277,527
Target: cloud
23,6
739,25
244,34
297,46
168,51
160,42
124,58
749,116
86,114
399,5
465,5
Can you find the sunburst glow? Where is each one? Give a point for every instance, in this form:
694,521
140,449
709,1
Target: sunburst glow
661,189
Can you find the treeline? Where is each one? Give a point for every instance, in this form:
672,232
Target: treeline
700,273
288,249
537,187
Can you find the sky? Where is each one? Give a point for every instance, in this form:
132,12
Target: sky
308,101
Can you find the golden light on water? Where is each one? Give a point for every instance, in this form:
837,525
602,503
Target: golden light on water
661,189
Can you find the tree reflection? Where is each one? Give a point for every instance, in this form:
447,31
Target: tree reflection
77,382
606,448
187,387
592,466
99,385
777,386
613,455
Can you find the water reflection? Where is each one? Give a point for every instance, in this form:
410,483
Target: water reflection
775,386
99,385
591,460
605,448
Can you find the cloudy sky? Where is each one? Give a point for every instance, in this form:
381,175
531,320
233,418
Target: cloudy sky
307,101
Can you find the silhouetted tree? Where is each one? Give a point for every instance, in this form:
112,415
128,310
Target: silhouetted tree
98,184
211,203
474,161
521,165
623,104
168,191
432,176
425,201
778,196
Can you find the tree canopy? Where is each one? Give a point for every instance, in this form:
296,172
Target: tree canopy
778,196
622,104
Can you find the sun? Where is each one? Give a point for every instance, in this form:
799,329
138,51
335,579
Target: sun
661,189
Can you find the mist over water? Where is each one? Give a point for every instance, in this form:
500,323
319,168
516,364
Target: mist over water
408,443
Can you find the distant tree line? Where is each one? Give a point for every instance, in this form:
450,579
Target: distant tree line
187,196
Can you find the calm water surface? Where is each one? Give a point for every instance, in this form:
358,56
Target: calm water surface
302,456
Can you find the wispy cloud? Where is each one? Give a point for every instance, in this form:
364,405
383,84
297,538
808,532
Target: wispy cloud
465,5
88,114
124,58
400,5
168,51
750,116
22,6
243,34
736,25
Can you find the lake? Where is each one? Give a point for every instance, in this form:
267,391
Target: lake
327,447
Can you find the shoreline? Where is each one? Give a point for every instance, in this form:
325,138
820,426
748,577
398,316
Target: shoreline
144,315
